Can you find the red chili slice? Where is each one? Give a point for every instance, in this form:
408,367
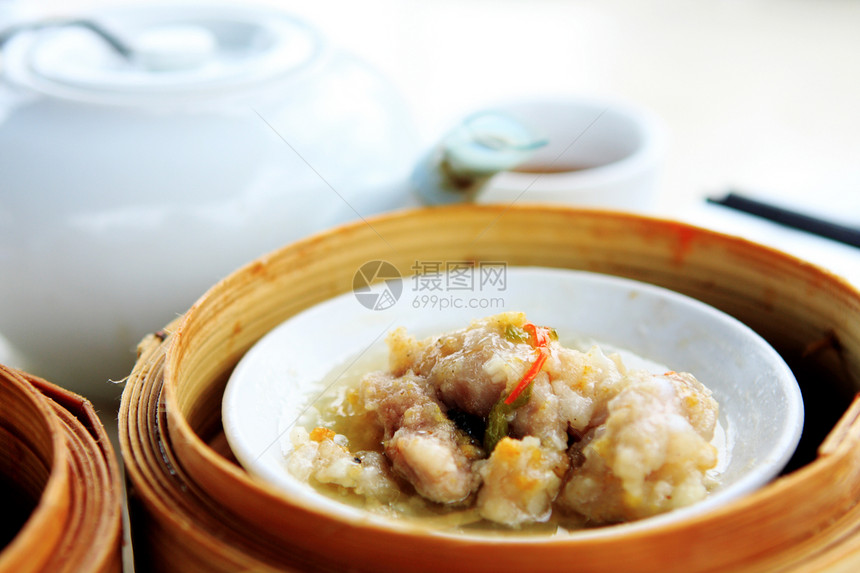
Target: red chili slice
541,341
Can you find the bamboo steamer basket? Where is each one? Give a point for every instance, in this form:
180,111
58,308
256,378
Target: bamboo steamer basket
191,504
61,495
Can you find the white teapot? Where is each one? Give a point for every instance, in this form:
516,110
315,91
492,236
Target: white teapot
146,152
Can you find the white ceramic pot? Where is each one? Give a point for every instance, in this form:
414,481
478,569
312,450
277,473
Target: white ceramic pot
600,153
128,185
566,150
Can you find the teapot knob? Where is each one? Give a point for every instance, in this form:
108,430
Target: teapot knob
175,47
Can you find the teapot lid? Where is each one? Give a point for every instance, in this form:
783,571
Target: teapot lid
159,50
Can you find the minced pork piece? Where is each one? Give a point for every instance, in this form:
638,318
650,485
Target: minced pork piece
501,419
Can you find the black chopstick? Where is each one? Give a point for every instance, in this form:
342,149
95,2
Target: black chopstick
789,218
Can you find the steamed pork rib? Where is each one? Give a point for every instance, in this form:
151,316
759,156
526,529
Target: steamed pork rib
499,417
421,442
520,480
649,455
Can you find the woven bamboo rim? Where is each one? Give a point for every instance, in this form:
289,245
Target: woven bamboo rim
193,505
54,449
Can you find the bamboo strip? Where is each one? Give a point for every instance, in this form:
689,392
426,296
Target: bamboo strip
76,523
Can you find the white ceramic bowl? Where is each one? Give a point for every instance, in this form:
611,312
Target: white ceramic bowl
601,153
761,409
